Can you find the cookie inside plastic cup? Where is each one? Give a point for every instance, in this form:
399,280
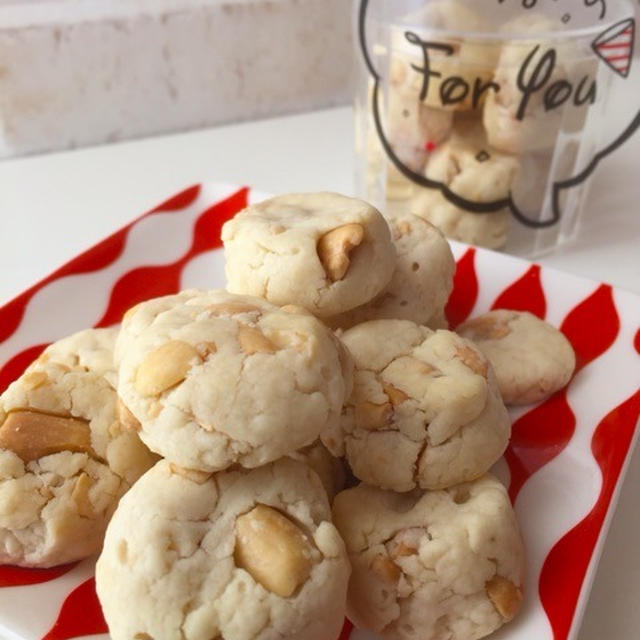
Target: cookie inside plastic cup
485,117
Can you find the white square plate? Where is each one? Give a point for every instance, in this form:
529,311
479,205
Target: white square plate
567,457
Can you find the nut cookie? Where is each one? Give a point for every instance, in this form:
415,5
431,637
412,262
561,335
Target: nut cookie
330,470
413,127
323,251
421,282
217,379
531,358
65,458
471,61
242,555
425,408
477,173
515,126
442,565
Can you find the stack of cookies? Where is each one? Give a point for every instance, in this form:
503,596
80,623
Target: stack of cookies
248,411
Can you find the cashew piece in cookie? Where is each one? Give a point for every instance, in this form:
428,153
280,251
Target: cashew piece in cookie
506,597
273,550
385,569
335,247
32,435
372,416
254,341
165,367
473,360
487,328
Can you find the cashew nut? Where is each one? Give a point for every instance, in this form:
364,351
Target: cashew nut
486,328
372,416
32,435
165,367
273,550
385,569
506,597
396,396
335,247
472,359
254,341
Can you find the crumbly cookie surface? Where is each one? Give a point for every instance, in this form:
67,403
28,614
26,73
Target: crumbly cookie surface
421,282
217,379
65,458
248,555
443,565
530,357
425,408
323,251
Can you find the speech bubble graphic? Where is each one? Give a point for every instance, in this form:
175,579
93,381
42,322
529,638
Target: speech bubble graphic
615,46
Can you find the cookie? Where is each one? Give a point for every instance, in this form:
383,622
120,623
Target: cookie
531,358
421,282
413,127
217,379
442,565
518,125
455,72
425,408
249,555
323,251
470,169
510,134
330,470
488,230
65,458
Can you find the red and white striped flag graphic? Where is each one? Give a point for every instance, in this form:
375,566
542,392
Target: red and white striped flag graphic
615,46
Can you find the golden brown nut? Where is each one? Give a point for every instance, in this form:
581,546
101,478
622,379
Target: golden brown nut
335,247
273,550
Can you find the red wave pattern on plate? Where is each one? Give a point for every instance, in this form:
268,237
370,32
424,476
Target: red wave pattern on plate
636,341
180,201
537,438
347,629
542,433
149,282
465,290
97,257
153,281
19,576
592,326
80,614
566,565
16,366
525,294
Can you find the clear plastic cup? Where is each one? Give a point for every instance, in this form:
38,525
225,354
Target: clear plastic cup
485,116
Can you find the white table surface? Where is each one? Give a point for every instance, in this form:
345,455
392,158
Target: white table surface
54,206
